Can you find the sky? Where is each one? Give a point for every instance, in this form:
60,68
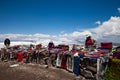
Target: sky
59,18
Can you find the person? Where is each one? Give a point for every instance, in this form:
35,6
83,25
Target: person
20,56
89,43
94,43
29,56
50,47
38,53
33,55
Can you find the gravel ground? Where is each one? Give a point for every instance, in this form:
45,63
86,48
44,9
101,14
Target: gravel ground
29,71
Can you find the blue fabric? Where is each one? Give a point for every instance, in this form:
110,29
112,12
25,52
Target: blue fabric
76,68
81,55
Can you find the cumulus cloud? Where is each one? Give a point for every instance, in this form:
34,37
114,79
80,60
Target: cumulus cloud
106,31
98,22
110,27
118,10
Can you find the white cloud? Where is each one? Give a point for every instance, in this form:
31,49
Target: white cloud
110,27
107,31
118,10
62,32
98,22
41,35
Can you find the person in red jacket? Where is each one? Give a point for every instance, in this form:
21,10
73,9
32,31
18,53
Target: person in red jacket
20,56
89,43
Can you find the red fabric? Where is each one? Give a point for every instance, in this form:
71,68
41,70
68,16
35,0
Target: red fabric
63,63
20,56
16,47
74,51
106,45
95,55
30,50
89,42
85,52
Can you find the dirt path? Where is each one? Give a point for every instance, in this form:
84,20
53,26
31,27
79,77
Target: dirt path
32,72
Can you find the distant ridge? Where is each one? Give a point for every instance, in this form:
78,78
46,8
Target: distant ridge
116,44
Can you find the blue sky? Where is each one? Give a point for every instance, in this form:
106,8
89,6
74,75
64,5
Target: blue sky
54,16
